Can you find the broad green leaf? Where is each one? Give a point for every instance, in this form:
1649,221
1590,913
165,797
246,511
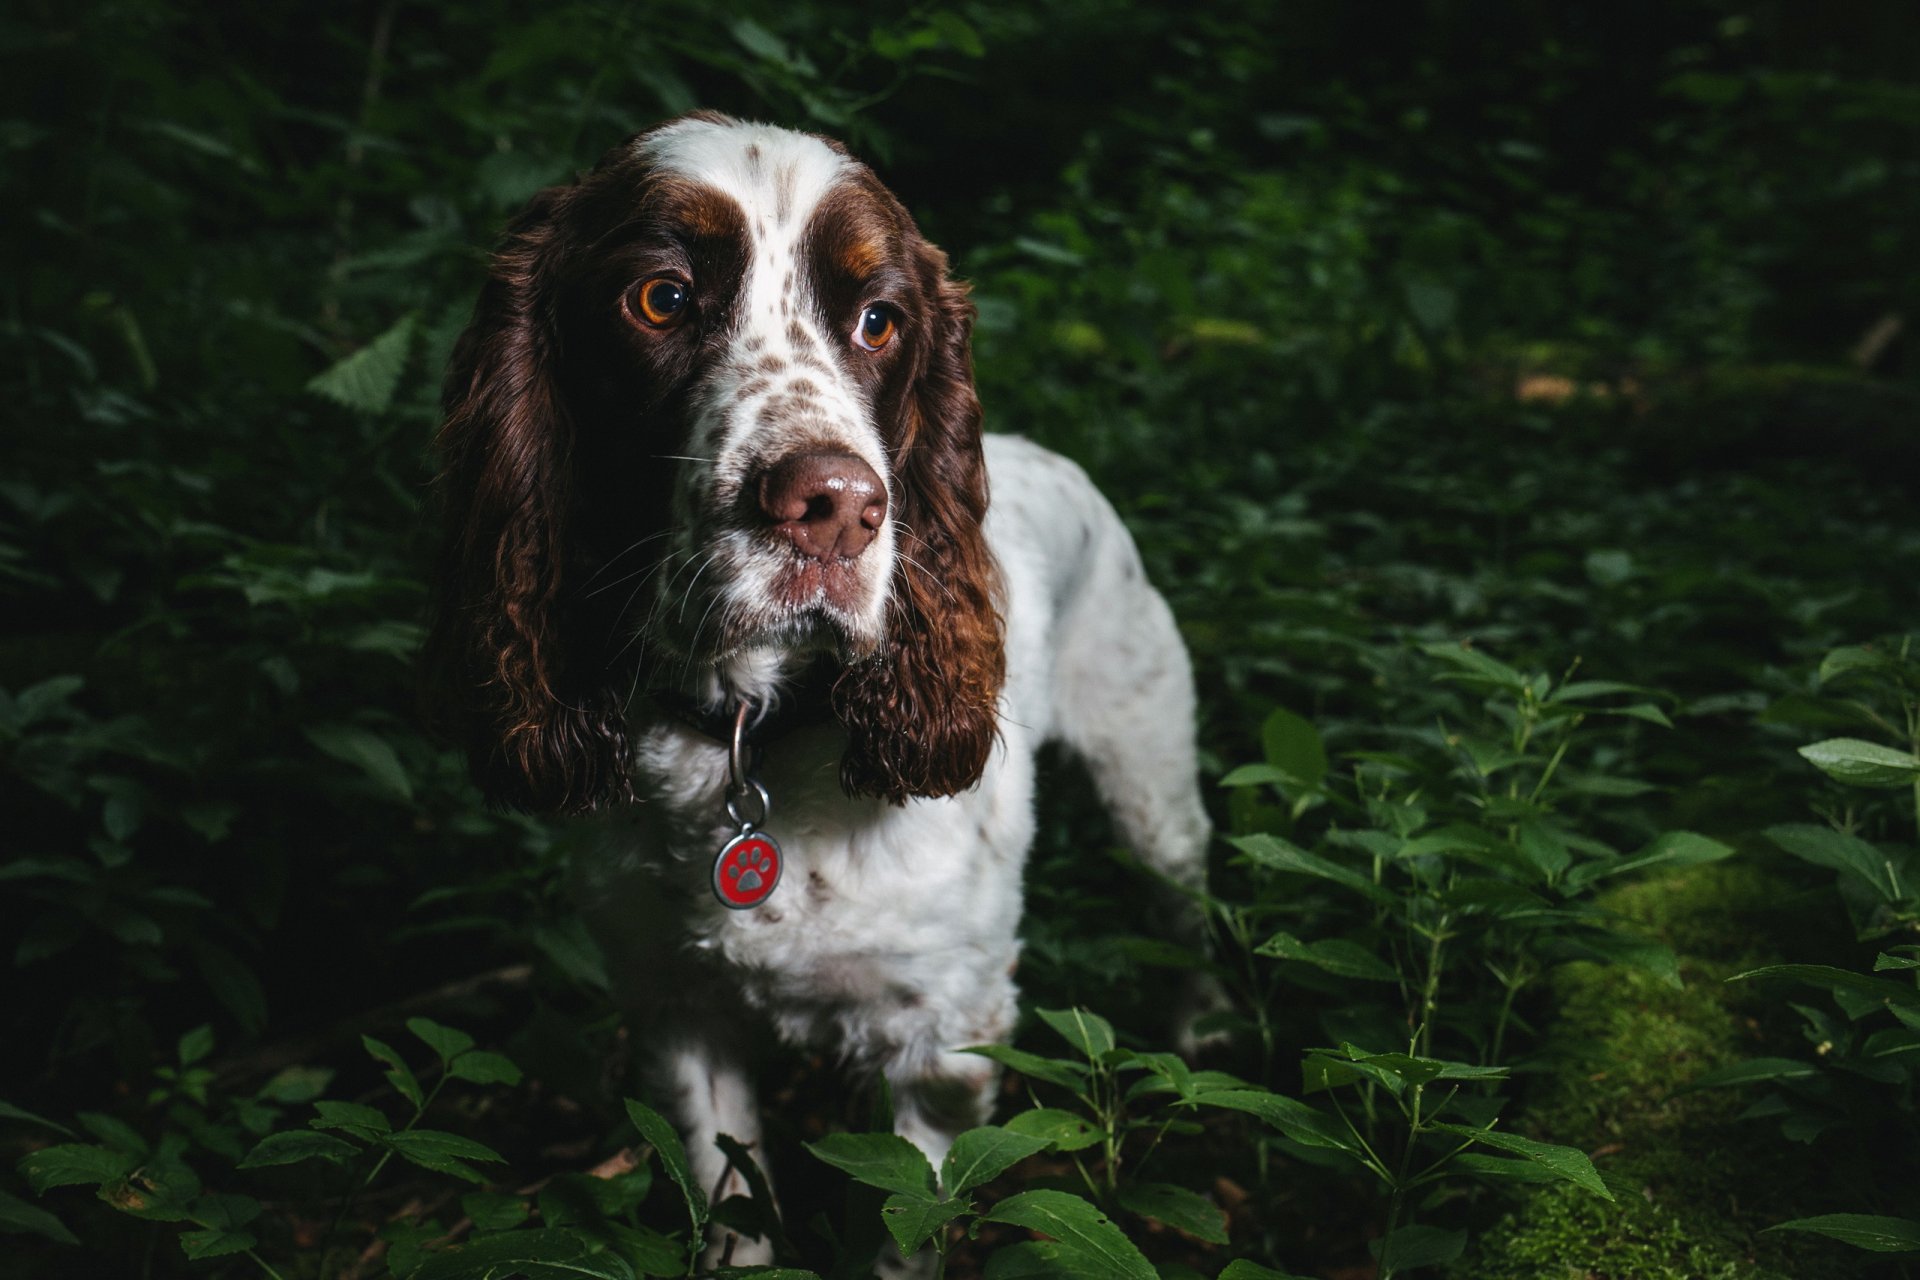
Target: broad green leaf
1088,1032
398,1073
74,1164
368,752
361,1121
1177,1207
1290,1116
1473,667
1567,1162
1070,1075
1275,854
1241,1269
1084,1233
554,1253
195,1045
1501,1167
442,1152
1416,1246
1292,745
1837,851
115,1133
1675,848
366,380
216,1242
1863,764
912,1220
296,1145
443,1040
1061,1130
1042,1260
1753,1071
1853,660
17,1217
884,1160
10,1112
492,1211
981,1155
1336,955
1877,990
673,1157
482,1067
1862,1230
1255,775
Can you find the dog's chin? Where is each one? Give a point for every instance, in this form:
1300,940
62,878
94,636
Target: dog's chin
814,629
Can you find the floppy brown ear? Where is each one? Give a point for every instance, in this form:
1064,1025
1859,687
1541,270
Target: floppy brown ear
921,715
531,703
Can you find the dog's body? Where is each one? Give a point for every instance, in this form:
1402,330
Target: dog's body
729,349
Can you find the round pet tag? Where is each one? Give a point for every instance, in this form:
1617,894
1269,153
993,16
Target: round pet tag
747,870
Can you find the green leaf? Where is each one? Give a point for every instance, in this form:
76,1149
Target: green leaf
367,751
492,1211
1082,1232
17,1217
1255,775
443,1040
1675,848
1565,1162
673,1158
1290,1116
1837,851
1853,660
398,1074
1088,1032
195,1045
1241,1269
981,1155
216,1242
1336,955
1879,990
1292,745
296,1145
350,1117
1862,1230
366,380
884,1160
1415,1246
1177,1207
1752,1071
441,1152
1275,854
482,1067
74,1164
1070,1075
10,1112
912,1220
553,1253
1061,1130
1473,667
1863,764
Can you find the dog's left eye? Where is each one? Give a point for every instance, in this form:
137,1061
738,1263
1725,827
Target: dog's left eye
660,302
877,327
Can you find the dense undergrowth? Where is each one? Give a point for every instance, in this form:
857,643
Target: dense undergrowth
1520,415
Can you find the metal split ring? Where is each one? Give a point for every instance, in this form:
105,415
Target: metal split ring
751,790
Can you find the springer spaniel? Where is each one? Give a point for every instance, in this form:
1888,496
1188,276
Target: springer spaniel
720,567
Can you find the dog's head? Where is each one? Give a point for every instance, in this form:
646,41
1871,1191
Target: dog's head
715,411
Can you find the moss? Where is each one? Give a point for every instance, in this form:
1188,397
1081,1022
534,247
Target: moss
1693,1183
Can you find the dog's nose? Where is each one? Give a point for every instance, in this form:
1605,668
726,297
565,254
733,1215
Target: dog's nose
829,504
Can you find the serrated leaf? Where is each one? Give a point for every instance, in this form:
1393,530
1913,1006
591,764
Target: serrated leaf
366,380
1863,764
1061,1130
443,1040
1088,1032
1081,1230
368,752
1473,667
1275,854
1335,955
17,1217
441,1152
1862,1230
1417,1246
1675,848
74,1164
1290,1116
981,1155
399,1074
216,1242
1565,1162
1070,1075
551,1253
352,1117
1177,1207
912,1220
481,1067
1837,851
673,1158
296,1145
1241,1269
884,1160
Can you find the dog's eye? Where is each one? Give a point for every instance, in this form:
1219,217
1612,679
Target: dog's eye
660,302
876,328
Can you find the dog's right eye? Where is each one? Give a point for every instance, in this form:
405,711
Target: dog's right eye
660,302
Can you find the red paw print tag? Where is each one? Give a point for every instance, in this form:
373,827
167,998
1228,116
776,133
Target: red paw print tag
747,870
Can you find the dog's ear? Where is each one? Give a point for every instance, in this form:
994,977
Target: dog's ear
921,715
506,673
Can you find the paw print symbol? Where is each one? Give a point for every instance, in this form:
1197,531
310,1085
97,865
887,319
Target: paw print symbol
746,871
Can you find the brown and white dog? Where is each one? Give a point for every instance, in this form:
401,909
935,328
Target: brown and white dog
720,568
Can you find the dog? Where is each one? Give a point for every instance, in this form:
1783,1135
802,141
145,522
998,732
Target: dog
720,570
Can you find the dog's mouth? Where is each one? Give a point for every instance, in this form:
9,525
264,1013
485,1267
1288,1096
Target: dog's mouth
774,598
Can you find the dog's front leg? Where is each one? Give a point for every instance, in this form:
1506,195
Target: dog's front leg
706,1080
